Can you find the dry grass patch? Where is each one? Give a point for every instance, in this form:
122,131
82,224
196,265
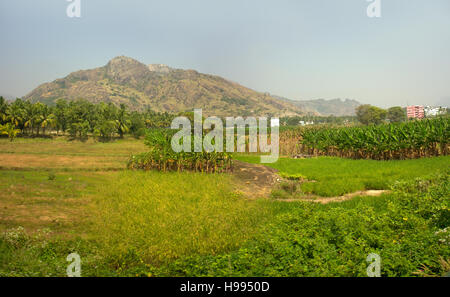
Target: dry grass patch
37,200
61,146
59,153
35,161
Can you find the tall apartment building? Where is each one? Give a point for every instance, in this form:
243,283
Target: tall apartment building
415,111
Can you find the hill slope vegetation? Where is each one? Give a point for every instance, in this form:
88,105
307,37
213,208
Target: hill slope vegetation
127,81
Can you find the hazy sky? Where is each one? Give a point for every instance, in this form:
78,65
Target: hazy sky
300,49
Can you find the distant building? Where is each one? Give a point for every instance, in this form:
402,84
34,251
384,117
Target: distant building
431,111
303,123
415,112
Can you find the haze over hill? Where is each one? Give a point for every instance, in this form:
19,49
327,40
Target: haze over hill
127,81
336,107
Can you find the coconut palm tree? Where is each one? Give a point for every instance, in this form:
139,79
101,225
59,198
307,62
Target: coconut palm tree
46,117
31,114
15,113
3,109
123,121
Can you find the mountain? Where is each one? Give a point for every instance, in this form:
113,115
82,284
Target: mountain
161,88
336,107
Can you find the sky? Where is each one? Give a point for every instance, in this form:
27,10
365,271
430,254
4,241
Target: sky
299,49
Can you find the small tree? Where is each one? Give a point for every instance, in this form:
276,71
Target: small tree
396,114
137,125
10,130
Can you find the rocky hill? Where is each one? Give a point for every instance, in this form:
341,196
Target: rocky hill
161,88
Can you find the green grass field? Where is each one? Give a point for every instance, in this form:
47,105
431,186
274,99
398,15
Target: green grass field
77,197
337,176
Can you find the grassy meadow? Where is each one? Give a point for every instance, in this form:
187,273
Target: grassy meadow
331,176
59,197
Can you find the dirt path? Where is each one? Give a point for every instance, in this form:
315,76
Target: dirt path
258,181
325,200
254,181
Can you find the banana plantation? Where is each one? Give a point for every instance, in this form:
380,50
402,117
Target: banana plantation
407,140
161,156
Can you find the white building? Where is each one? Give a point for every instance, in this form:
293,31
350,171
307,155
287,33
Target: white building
431,111
303,123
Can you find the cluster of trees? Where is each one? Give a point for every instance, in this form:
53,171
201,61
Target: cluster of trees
368,114
78,119
365,114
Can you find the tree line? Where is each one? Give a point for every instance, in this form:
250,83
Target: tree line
77,119
365,114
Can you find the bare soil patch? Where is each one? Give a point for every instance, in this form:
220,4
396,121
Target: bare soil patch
258,181
254,181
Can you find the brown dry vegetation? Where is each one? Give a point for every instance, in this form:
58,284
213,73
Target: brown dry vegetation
48,154
35,161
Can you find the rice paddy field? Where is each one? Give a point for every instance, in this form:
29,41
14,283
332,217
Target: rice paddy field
59,196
